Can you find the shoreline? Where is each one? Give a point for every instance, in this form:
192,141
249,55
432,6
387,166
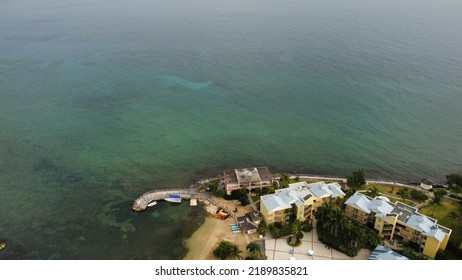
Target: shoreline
202,242
213,230
193,244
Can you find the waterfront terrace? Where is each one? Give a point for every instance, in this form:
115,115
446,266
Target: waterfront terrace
251,178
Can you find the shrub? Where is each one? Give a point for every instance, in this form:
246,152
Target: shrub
307,226
411,254
418,195
213,185
278,230
262,228
240,195
441,192
219,193
441,255
357,179
293,241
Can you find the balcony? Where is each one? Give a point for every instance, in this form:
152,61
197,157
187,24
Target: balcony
387,227
386,232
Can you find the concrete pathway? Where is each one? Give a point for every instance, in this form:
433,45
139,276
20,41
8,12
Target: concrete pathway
278,249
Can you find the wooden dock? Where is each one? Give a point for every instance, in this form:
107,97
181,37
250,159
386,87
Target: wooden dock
141,203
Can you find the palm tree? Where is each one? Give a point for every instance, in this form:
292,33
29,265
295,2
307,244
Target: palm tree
339,221
296,227
436,200
453,215
227,251
402,193
235,253
324,216
252,246
373,192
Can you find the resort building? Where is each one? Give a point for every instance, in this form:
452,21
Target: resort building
301,197
251,178
399,223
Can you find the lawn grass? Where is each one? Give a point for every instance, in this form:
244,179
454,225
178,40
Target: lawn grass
441,214
390,192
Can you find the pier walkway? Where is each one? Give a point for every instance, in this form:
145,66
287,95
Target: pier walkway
141,203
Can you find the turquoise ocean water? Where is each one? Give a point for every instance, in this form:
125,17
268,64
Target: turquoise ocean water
103,100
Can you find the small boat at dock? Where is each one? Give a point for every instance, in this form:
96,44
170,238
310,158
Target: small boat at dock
174,198
152,203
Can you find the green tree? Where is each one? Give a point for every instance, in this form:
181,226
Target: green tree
373,192
357,179
454,180
296,228
284,181
411,253
436,200
457,189
262,228
253,246
293,213
227,251
254,251
403,193
235,253
254,255
219,193
325,216
441,193
343,234
241,195
453,215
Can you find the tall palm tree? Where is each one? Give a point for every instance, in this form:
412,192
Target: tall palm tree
436,200
339,221
227,251
354,233
235,253
402,193
325,217
453,215
296,227
373,192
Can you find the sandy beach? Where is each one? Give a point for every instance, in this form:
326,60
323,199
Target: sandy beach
213,230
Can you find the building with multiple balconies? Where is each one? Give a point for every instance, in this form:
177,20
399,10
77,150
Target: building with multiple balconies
399,223
301,198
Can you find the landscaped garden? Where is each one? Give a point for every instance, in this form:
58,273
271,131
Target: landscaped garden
343,234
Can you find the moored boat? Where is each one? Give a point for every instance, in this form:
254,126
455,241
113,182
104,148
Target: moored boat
152,203
174,198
